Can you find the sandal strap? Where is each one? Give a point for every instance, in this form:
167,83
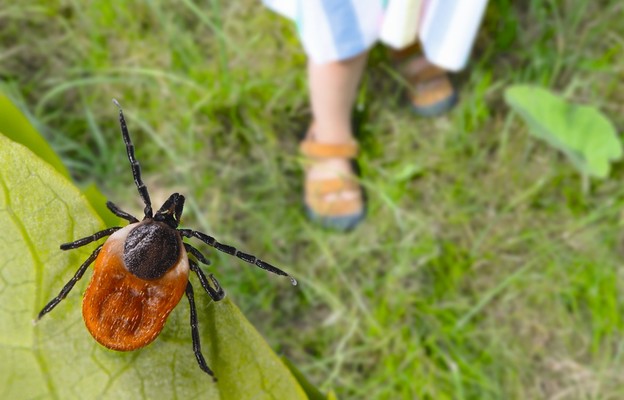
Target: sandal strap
424,74
416,69
314,149
317,190
323,187
336,208
432,91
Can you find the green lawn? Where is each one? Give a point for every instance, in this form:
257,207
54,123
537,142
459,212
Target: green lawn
483,270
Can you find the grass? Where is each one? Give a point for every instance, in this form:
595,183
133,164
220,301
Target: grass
483,270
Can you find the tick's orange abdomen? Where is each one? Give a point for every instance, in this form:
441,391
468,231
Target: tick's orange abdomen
124,312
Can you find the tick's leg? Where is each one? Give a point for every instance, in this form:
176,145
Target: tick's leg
134,164
69,285
210,241
197,254
89,239
195,333
120,213
215,295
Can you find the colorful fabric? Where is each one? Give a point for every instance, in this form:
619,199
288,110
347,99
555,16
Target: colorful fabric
332,30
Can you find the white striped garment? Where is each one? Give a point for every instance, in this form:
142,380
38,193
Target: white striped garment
333,30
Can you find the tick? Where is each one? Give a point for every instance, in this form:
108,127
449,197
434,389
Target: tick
142,270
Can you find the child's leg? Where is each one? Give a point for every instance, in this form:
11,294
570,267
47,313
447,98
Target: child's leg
333,88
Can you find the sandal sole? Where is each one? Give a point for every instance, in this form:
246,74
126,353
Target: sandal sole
341,223
436,109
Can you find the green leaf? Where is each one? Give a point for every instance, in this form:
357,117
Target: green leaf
311,391
98,202
243,361
57,358
583,133
15,126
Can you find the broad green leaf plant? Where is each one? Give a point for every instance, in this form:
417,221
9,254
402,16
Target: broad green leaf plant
583,133
15,126
57,358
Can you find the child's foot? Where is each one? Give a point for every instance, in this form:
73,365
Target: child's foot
333,197
432,92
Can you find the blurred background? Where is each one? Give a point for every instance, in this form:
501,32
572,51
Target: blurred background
484,269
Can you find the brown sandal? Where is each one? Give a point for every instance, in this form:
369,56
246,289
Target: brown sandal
432,92
340,214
